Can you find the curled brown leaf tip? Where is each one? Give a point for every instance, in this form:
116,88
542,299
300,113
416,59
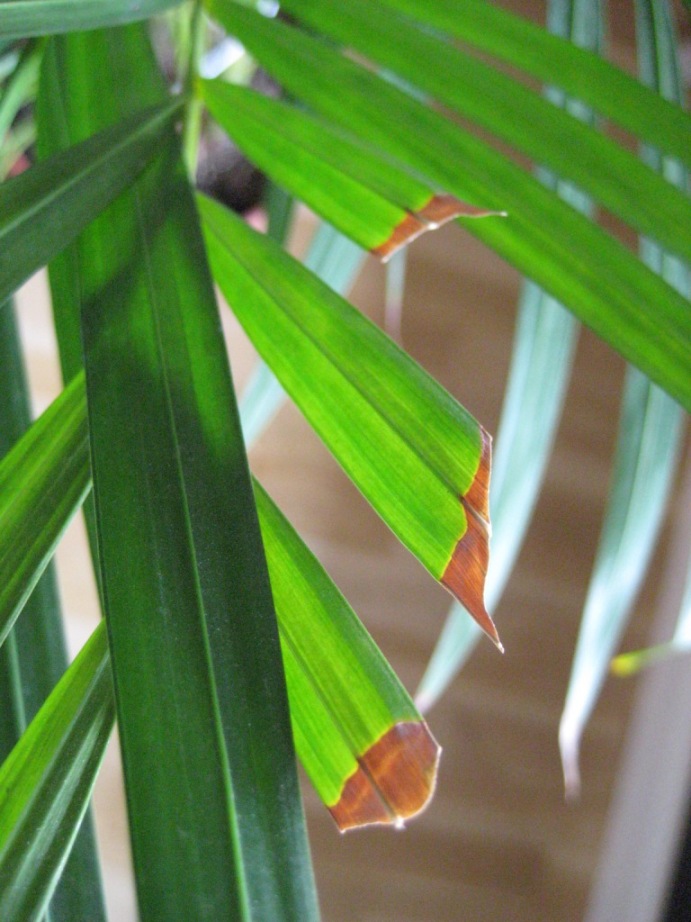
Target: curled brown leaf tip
438,210
466,572
394,779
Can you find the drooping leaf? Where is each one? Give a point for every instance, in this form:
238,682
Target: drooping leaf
33,657
365,747
540,369
551,136
21,18
46,782
647,447
43,479
554,60
215,815
578,263
419,458
367,197
44,208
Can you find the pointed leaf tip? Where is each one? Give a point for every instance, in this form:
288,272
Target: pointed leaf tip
466,571
439,210
394,780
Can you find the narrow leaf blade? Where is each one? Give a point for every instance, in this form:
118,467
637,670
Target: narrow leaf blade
365,747
22,18
418,457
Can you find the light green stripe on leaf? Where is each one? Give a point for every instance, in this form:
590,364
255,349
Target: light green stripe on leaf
22,18
38,494
46,782
411,449
344,696
43,209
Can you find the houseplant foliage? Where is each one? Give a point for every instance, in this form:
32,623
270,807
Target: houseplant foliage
221,629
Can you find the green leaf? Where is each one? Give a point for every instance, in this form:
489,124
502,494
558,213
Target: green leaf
358,734
44,208
647,448
366,196
549,135
215,815
580,265
46,782
21,18
364,746
34,657
418,457
541,361
43,480
335,260
20,86
552,59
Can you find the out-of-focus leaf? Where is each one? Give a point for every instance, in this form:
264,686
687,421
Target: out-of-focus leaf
21,18
43,479
364,746
33,657
629,663
579,264
19,87
646,455
46,782
540,369
215,815
44,208
554,60
419,458
367,197
549,135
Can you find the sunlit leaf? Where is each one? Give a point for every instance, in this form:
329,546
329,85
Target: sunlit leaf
364,746
578,263
419,458
367,197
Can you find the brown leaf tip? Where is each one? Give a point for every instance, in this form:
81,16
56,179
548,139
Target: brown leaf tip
466,572
394,779
439,210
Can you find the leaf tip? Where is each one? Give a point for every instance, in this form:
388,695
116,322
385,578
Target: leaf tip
394,780
438,210
466,571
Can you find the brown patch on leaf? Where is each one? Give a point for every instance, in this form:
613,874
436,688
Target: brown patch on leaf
394,779
439,210
466,572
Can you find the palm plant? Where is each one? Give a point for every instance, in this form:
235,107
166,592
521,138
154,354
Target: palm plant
224,643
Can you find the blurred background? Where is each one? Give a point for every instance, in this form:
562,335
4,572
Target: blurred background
499,840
